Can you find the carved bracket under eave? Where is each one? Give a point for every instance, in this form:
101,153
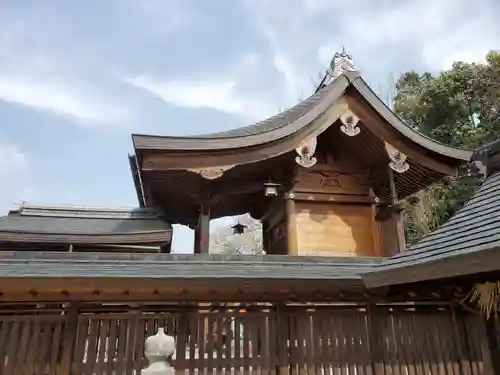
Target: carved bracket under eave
398,159
350,122
211,173
306,152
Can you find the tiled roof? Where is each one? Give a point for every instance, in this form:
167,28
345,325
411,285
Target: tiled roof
467,243
293,120
176,266
59,224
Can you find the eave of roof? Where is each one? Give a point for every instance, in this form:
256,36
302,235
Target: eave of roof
468,243
293,120
175,266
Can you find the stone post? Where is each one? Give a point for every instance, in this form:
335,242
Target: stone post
159,350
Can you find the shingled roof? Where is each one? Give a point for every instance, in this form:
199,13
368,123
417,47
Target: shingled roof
83,225
293,120
50,264
468,243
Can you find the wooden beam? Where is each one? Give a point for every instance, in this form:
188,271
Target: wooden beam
397,218
291,226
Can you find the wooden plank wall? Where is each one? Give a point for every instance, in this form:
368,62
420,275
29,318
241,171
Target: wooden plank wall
266,341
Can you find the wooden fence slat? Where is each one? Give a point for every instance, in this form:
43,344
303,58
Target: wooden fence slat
55,352
20,359
32,349
263,340
12,347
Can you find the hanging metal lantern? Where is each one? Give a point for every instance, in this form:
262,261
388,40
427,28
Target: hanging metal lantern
239,228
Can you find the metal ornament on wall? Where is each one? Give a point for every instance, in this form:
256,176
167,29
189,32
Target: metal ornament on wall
211,173
350,122
398,159
306,152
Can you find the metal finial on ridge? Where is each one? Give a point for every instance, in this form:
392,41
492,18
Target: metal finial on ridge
340,63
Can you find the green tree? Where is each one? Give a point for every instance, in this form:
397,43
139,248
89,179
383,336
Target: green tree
459,107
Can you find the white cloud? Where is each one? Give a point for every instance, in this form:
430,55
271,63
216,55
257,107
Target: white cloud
12,160
221,95
384,37
438,31
59,98
14,172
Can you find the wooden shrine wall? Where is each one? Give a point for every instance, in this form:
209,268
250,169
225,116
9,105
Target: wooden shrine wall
267,340
334,229
335,212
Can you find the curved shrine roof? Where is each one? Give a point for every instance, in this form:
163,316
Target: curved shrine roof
293,120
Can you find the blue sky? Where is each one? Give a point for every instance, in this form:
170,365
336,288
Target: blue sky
77,77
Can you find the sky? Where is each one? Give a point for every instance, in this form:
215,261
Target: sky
78,77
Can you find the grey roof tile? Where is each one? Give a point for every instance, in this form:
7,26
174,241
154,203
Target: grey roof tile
293,120
55,265
53,224
453,249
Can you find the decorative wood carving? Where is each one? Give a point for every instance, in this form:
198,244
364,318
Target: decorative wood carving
306,151
212,173
350,122
398,159
332,182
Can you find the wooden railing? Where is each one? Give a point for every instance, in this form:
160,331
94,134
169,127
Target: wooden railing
347,340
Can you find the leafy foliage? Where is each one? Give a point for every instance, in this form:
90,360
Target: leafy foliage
459,107
486,298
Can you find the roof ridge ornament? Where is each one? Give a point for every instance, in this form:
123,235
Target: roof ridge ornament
342,62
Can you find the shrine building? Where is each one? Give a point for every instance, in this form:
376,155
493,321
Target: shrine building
337,290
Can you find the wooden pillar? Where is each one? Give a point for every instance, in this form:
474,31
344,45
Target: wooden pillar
292,244
396,217
197,238
204,229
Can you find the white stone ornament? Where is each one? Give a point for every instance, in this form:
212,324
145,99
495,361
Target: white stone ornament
159,350
398,159
350,121
306,152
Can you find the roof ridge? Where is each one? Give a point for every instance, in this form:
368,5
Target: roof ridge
24,209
